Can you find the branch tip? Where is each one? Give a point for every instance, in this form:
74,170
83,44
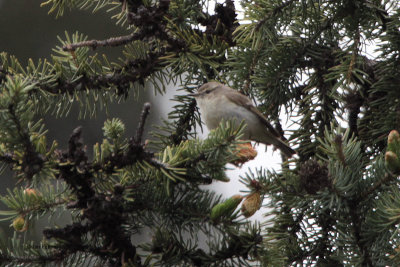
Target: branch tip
143,117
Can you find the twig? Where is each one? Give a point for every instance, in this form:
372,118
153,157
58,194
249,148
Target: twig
21,131
143,117
158,164
356,225
32,160
113,41
7,158
274,12
339,146
246,86
279,129
184,124
355,54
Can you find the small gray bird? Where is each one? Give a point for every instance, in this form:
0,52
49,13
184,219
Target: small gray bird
219,102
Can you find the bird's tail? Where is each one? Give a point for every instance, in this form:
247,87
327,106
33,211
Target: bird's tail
284,148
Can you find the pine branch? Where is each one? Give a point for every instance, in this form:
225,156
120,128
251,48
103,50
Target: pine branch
42,259
356,225
7,158
235,245
139,131
105,216
3,74
372,190
274,12
152,26
339,149
222,24
114,41
33,161
184,124
325,213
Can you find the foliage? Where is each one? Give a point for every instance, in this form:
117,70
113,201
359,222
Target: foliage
335,203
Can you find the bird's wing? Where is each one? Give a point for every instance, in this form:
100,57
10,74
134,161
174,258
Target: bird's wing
244,101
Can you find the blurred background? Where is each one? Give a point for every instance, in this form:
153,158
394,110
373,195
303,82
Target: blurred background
28,32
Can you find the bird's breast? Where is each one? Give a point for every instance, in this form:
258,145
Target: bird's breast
213,110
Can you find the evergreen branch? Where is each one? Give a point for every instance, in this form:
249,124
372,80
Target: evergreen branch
135,152
105,220
33,161
274,12
3,74
23,135
339,149
341,213
301,48
234,245
43,206
158,164
7,158
387,178
355,53
72,236
222,144
354,102
356,225
278,127
105,216
222,24
41,259
113,41
356,99
134,71
151,23
78,173
73,169
76,157
143,116
184,124
246,87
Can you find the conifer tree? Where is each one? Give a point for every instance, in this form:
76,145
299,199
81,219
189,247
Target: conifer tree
335,203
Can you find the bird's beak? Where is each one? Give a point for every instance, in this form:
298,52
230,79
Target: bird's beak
194,94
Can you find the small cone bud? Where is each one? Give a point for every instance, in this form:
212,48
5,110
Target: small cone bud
244,152
392,161
394,142
19,224
394,136
397,250
251,204
226,208
31,192
222,178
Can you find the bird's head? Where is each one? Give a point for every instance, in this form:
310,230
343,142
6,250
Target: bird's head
206,89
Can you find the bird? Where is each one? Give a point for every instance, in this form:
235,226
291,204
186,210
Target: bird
219,102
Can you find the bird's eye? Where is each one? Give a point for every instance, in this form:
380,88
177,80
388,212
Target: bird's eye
208,91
